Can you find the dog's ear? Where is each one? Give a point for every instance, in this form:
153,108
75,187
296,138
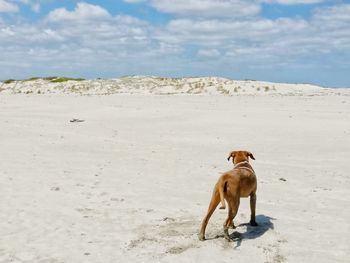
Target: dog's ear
232,154
250,155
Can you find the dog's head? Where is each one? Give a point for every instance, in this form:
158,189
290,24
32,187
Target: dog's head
240,156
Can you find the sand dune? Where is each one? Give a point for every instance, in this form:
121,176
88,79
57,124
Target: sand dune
160,85
132,180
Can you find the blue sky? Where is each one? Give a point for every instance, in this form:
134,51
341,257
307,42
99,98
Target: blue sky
304,41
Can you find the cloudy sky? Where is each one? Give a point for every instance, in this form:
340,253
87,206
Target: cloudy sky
278,40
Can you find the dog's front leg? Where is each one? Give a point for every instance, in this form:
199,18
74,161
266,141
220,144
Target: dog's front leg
252,209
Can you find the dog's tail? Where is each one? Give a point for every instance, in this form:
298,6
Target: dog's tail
222,189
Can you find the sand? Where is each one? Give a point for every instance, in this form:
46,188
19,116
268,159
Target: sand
132,181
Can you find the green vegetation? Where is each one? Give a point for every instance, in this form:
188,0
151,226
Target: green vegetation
9,81
178,86
64,79
50,78
222,90
33,78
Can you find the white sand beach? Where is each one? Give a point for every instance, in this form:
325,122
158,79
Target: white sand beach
132,181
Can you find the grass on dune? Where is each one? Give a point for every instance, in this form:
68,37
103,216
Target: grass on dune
53,79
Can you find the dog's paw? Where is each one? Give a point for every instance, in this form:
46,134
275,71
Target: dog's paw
201,237
232,226
253,223
228,238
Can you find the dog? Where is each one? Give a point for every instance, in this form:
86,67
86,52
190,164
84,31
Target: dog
231,186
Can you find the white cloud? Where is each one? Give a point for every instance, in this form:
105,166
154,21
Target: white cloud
25,35
333,25
7,31
215,8
338,14
135,1
292,2
7,7
260,41
208,53
83,11
35,5
219,33
86,27
204,8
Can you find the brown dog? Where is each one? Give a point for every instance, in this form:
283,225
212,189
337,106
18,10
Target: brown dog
239,182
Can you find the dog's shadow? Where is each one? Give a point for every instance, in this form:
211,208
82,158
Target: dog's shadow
252,232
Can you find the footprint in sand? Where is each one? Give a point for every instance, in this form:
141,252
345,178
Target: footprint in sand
117,199
175,235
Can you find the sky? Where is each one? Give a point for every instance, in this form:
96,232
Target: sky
294,41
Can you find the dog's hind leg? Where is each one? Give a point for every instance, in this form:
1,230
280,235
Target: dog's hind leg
232,212
231,225
222,188
215,199
227,223
252,209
